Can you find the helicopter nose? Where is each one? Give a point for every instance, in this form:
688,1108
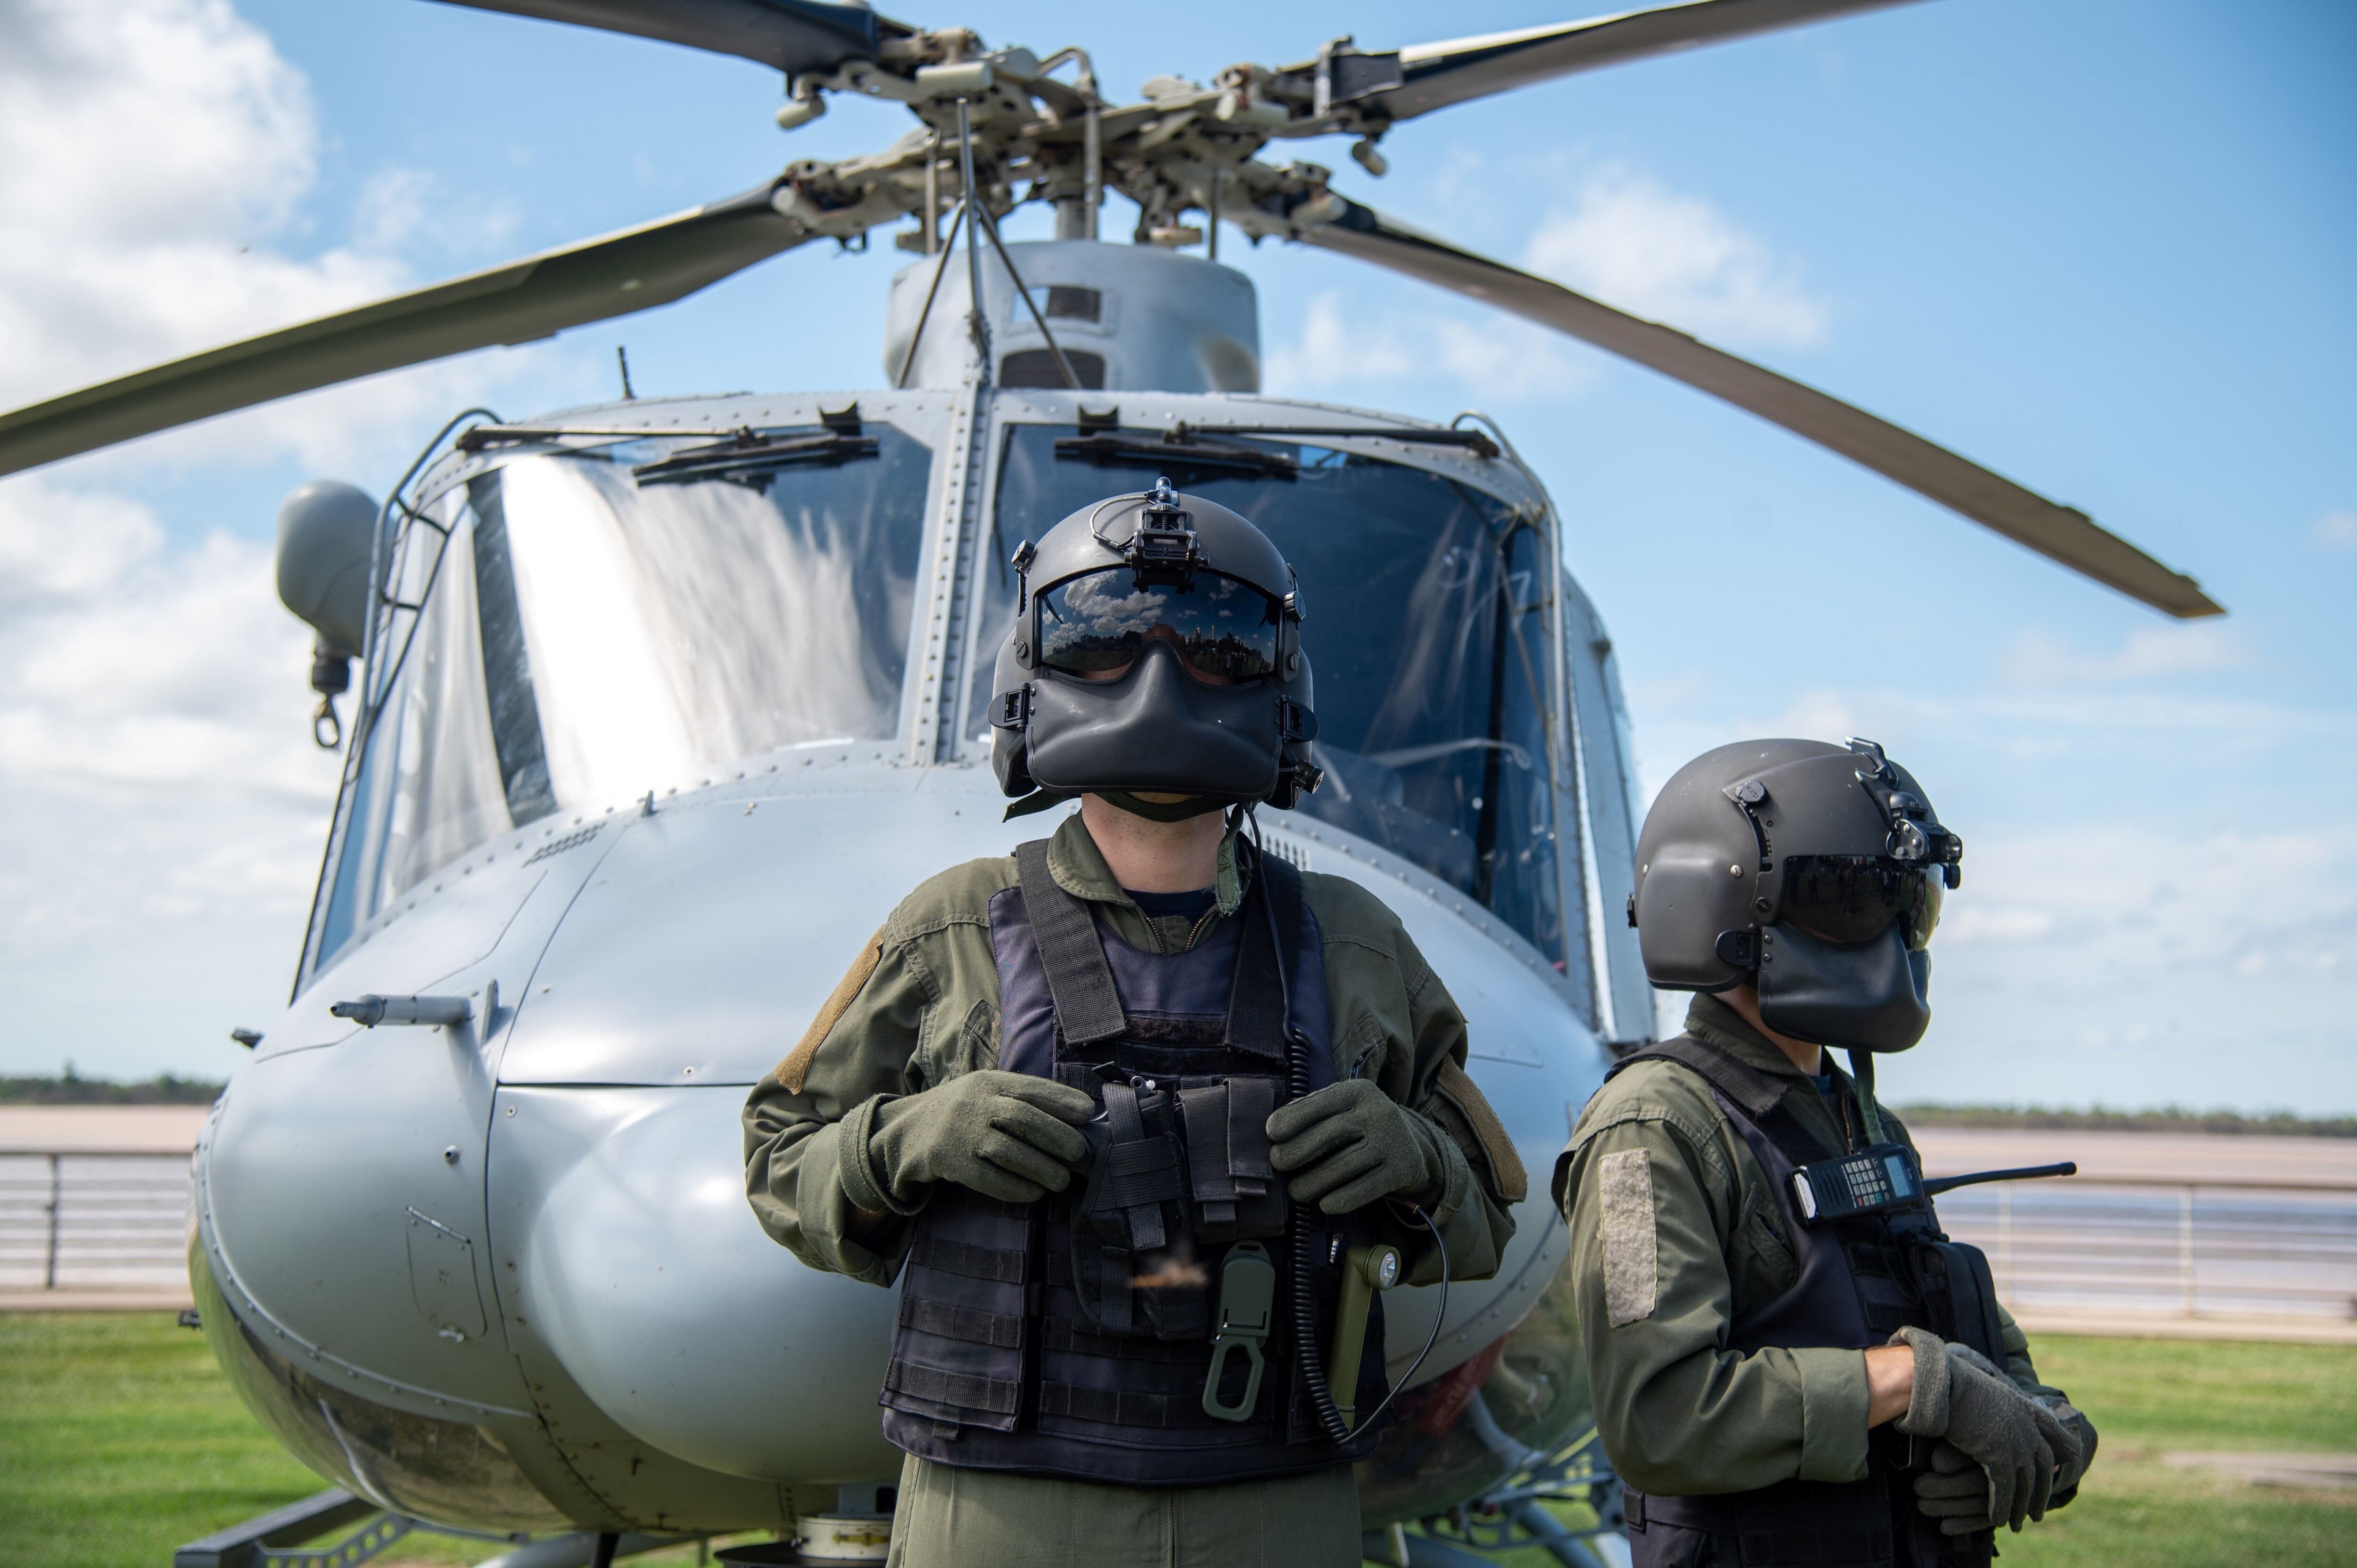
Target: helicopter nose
644,1270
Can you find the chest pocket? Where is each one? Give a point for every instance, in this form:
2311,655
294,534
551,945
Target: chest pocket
1761,1265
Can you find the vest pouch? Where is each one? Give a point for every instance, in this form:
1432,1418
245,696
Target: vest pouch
1233,1194
1135,1271
1961,1291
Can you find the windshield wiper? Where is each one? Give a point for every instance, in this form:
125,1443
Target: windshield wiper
1473,441
746,450
1137,448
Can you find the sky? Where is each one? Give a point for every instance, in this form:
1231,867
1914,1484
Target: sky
2104,246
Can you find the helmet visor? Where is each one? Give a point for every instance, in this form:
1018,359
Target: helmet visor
1097,626
1848,899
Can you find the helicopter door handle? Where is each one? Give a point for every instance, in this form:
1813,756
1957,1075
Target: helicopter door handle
438,1011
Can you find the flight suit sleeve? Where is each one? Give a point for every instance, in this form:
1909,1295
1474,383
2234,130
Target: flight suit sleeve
1484,1177
1652,1206
805,1121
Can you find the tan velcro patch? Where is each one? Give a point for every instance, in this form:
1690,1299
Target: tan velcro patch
1631,1265
1505,1165
796,1067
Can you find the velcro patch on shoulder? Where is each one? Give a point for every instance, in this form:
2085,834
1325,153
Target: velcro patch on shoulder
796,1067
1632,1273
1505,1165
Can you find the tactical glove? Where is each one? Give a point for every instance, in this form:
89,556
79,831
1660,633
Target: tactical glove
1351,1144
2016,1442
1008,1135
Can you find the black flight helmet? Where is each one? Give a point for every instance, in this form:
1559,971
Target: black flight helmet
1815,871
1157,649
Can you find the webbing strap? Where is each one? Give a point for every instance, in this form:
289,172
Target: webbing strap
963,1389
1137,1172
1755,1091
1256,1000
971,1325
1068,1339
1758,1096
1080,979
1122,1408
931,1252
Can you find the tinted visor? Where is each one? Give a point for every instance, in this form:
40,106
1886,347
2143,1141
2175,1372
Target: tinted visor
1097,626
1848,899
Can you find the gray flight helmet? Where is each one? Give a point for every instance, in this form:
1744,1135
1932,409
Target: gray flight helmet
1713,892
1156,728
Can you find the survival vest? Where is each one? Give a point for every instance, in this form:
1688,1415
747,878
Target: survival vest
1856,1281
1075,1337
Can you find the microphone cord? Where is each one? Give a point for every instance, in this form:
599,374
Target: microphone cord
1303,1297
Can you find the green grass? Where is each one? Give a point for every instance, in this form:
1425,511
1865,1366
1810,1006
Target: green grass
2147,1397
119,1441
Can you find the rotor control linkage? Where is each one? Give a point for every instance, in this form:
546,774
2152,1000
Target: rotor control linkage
440,1012
1365,1271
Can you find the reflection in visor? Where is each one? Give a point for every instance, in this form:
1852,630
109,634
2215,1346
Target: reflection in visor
1097,626
1852,898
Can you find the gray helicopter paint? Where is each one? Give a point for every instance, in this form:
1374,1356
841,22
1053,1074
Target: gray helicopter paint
653,1344
699,1333
1175,323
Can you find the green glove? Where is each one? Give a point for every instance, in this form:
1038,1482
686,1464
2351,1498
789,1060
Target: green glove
1954,1491
1352,1144
1008,1135
2016,1442
2074,1421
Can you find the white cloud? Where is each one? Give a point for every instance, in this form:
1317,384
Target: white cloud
2042,658
2336,530
154,155
1635,244
1386,358
167,804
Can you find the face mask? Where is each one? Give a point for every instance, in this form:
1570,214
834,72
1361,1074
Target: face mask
1873,996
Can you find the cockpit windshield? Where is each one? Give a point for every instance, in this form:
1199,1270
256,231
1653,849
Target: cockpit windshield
591,624
1426,627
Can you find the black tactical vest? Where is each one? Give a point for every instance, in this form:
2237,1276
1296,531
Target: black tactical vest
1073,1337
1856,1281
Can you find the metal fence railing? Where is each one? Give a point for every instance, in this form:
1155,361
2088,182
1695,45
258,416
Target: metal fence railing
81,1219
97,1219
2209,1249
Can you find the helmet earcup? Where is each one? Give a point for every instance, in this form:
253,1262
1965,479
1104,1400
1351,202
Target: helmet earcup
1009,742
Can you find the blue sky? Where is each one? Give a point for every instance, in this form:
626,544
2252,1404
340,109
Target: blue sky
2104,248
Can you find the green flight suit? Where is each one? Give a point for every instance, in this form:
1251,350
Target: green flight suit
920,1006
1680,1414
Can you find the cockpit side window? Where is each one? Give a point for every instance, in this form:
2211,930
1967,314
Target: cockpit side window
582,626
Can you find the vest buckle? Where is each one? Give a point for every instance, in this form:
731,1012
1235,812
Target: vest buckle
1246,1311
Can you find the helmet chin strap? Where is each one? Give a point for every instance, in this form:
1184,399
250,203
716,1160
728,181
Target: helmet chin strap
1193,806
1861,1072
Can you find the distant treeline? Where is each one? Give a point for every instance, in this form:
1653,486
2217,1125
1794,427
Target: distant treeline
2169,1119
74,1090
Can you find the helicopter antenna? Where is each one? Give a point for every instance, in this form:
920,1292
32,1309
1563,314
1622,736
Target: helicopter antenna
622,356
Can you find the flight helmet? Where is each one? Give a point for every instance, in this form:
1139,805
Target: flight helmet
1815,871
1157,649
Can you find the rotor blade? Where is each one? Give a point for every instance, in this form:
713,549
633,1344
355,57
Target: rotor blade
1433,76
2058,532
537,297
791,36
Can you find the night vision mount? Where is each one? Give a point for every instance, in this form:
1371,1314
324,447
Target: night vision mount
1916,836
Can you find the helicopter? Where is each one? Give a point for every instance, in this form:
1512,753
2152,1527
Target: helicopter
661,700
